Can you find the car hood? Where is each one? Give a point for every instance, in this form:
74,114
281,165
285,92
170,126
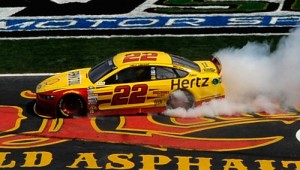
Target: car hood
67,80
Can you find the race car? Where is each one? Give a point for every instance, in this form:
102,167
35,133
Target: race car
131,82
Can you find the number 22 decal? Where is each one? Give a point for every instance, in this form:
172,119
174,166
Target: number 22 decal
140,57
123,96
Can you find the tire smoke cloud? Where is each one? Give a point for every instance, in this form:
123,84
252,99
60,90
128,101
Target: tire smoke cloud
256,79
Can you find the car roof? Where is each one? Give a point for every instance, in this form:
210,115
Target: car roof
142,58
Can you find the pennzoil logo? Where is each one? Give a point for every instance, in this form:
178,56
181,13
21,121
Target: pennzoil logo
209,134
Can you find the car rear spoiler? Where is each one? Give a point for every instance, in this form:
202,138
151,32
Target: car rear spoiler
217,63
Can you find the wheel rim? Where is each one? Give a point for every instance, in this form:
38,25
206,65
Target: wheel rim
181,99
70,106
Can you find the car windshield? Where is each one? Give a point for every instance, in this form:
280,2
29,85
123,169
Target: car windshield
101,70
185,62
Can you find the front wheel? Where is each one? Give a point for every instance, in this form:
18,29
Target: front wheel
180,98
71,106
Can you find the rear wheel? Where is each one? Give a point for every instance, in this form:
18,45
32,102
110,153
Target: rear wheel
71,106
180,98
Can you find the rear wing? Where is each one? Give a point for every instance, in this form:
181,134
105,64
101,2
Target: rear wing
217,63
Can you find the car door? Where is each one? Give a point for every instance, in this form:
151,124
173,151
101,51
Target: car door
127,88
163,83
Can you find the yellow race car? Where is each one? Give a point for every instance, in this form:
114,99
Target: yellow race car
130,83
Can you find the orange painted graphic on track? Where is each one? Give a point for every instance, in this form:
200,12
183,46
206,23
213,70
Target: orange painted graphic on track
11,118
142,130
154,130
27,94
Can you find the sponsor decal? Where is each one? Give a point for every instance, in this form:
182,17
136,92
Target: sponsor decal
161,93
52,81
74,78
189,83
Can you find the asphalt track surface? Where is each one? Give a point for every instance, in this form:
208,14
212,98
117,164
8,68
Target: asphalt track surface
253,141
248,141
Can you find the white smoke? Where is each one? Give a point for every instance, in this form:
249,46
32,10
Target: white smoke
256,80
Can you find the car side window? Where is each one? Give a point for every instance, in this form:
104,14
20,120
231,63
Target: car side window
130,75
169,73
181,73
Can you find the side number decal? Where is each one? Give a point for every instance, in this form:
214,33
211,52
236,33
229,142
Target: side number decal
123,96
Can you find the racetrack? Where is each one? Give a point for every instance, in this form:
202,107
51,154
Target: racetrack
147,142
253,140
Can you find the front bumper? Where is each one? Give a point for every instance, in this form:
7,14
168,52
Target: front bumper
45,107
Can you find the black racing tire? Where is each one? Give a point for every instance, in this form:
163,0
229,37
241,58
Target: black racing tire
71,106
186,101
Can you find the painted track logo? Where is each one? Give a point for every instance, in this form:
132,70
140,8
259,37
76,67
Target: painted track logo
153,17
142,130
197,134
147,142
